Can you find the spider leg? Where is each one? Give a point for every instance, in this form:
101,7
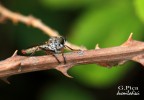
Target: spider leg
63,56
71,48
48,52
56,58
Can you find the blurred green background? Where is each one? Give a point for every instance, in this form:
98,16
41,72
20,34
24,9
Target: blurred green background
82,22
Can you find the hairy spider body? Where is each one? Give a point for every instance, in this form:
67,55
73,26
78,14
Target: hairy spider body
55,44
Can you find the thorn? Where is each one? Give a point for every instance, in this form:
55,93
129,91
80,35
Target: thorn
64,69
15,53
129,40
5,80
66,74
130,37
97,46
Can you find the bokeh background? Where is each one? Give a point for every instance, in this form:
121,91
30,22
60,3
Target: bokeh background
82,22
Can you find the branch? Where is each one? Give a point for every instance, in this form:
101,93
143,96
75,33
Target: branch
31,21
107,57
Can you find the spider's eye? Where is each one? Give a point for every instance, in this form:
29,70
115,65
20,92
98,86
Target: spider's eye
62,40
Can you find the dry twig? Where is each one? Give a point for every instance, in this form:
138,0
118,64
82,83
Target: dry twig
107,57
31,21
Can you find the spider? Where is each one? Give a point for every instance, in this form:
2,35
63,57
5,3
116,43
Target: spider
55,45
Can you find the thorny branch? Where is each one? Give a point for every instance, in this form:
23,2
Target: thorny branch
107,57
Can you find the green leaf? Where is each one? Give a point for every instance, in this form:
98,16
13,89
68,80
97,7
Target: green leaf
108,26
